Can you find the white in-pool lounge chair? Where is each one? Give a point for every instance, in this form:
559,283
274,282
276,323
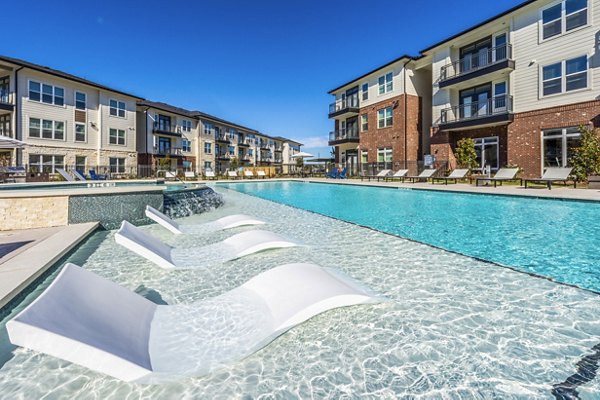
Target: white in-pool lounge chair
210,175
65,175
381,175
248,174
78,175
232,174
400,174
90,321
426,174
167,257
229,222
454,176
503,174
551,175
261,174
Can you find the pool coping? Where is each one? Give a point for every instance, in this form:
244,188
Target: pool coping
20,271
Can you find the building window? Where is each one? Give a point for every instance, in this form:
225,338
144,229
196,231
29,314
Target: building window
186,145
364,122
384,156
365,91
46,93
116,136
231,150
384,118
80,162
364,157
558,145
564,17
575,72
231,134
117,108
187,165
117,165
186,125
59,130
386,84
34,127
80,132
80,101
45,163
207,165
208,129
207,147
47,128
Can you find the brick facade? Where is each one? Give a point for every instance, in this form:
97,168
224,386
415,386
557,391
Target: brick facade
520,143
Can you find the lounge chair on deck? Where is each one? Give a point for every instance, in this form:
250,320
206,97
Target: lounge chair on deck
232,174
261,174
426,174
400,174
65,175
167,257
343,174
454,176
553,174
381,175
189,175
333,174
210,175
248,174
503,174
96,177
95,323
231,221
79,175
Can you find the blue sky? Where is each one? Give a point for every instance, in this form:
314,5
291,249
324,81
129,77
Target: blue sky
264,64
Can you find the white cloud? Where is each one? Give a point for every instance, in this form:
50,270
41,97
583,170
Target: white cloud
317,141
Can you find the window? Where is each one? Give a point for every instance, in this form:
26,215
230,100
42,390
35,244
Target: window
365,91
46,129
207,165
80,162
117,108
186,125
34,127
207,147
364,122
231,134
117,165
364,157
384,118
231,150
558,145
187,165
208,129
575,72
80,132
45,163
186,145
116,136
386,83
564,17
384,155
59,130
80,101
46,93
487,152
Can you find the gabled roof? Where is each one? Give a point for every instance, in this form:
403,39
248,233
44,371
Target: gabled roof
61,74
167,107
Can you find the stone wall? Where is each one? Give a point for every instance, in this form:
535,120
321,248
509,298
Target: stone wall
33,212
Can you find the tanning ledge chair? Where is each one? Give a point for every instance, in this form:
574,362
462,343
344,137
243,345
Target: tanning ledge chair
454,176
400,175
551,175
229,222
426,174
381,175
65,175
95,323
167,257
503,175
79,175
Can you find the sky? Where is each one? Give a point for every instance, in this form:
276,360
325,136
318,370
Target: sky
263,64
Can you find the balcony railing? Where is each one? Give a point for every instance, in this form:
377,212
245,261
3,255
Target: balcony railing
166,127
494,106
343,134
6,97
278,148
476,62
222,138
344,104
168,151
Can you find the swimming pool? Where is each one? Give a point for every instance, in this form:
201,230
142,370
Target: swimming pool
454,327
553,238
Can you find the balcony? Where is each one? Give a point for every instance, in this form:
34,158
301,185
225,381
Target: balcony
264,145
343,136
165,128
495,111
278,160
7,100
344,108
496,59
168,151
224,156
278,148
245,142
222,138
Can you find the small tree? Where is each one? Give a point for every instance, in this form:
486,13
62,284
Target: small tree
586,157
465,153
234,163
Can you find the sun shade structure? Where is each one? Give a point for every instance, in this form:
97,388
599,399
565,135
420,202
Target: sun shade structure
7,142
167,257
95,323
229,222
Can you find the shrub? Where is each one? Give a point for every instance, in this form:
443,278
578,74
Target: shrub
465,154
586,157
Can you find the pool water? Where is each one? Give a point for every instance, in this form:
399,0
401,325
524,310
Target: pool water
454,328
553,238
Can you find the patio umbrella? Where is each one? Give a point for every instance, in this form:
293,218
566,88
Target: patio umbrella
10,143
302,155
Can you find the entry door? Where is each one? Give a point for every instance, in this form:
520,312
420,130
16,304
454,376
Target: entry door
164,145
352,163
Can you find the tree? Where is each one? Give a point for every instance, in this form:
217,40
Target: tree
465,153
234,163
586,157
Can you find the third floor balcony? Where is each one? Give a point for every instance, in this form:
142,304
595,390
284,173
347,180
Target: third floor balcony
343,136
7,100
493,111
166,128
345,107
484,62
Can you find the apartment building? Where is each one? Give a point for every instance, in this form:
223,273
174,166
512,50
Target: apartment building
168,138
519,84
382,118
66,121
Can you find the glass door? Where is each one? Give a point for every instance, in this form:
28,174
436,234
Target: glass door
500,47
482,104
164,146
487,153
352,162
500,98
5,125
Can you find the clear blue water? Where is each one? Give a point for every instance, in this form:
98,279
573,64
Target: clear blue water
553,238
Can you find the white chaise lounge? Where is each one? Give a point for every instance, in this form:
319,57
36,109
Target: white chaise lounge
78,175
426,174
229,222
248,174
261,174
232,174
65,175
90,321
167,257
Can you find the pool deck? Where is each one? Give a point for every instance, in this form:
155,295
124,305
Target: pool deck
32,251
